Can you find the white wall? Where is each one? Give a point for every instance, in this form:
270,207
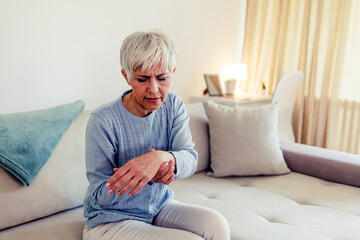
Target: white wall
57,51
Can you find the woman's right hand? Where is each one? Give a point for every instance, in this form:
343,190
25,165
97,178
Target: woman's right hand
165,174
136,173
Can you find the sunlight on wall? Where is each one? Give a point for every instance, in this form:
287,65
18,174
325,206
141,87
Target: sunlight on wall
54,52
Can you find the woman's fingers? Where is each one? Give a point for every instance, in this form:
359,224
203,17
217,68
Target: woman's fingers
124,180
164,178
162,171
130,185
120,172
129,175
138,187
168,177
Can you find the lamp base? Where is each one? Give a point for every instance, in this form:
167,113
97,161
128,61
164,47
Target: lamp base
230,86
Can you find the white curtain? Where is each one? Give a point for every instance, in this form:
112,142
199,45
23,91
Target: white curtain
322,39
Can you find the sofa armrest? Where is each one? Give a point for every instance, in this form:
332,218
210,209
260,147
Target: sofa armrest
322,163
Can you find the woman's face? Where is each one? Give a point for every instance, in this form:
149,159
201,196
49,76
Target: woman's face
150,89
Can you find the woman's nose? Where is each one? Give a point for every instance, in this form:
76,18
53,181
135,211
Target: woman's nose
153,85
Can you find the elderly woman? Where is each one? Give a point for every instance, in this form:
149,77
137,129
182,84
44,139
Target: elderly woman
135,147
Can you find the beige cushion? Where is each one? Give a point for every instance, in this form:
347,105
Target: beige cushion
281,207
244,140
66,225
60,185
200,133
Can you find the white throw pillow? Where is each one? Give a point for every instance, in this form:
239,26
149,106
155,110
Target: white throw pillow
244,140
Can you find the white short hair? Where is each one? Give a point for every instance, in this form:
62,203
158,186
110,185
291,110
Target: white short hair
147,50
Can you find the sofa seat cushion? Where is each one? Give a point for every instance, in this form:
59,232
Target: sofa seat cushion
292,206
64,225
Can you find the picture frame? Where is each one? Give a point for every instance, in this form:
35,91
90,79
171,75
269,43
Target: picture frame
213,84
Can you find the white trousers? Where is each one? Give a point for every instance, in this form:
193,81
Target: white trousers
176,221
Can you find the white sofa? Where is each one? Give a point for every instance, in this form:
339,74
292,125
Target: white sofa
304,204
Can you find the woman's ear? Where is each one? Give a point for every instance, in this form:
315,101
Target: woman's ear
174,70
125,76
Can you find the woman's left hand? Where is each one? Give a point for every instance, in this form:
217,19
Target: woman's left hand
136,173
165,174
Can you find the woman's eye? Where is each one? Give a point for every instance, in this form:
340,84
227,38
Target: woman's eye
161,79
141,80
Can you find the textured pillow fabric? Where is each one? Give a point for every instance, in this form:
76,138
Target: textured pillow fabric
61,184
28,139
244,140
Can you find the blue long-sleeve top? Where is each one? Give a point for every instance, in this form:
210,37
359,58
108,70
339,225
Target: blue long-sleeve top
113,137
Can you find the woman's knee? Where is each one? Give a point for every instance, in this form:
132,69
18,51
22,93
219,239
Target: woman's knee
203,221
215,224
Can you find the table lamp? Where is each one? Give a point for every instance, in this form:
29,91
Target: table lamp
237,73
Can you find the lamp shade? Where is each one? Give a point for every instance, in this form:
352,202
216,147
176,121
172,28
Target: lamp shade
238,71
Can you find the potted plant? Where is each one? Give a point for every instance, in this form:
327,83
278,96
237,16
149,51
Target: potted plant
263,89
230,86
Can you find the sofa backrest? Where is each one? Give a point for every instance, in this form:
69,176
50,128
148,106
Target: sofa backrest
200,133
60,185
